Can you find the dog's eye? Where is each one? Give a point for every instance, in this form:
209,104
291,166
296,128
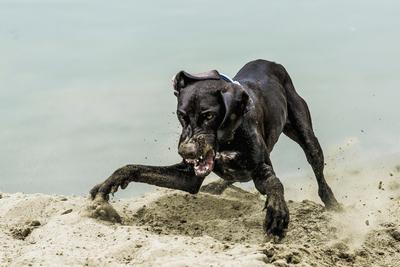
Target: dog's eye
208,116
181,115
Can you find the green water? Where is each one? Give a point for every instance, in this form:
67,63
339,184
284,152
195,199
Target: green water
85,86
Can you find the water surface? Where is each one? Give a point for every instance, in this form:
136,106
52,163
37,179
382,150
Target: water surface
85,86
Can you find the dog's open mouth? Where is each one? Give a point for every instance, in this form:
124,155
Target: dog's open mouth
203,165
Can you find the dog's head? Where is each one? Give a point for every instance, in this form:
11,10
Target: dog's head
210,110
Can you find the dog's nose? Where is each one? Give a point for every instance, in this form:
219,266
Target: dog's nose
188,150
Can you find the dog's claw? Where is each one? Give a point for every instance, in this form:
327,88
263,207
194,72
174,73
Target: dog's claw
114,189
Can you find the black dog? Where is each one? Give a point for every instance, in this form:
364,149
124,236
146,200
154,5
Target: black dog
230,128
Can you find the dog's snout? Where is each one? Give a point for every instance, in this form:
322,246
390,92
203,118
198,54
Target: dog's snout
188,150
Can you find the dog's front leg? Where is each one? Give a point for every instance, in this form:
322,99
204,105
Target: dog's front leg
180,176
277,216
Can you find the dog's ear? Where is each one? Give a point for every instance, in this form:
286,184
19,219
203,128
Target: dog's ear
237,102
183,78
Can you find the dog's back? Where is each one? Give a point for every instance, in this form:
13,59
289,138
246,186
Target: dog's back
264,81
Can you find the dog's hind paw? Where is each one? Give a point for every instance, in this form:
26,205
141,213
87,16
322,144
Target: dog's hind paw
334,206
216,187
329,199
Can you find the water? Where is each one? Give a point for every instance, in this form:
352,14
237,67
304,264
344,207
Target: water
85,86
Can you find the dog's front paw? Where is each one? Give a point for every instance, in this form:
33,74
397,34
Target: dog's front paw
277,217
99,206
101,209
109,186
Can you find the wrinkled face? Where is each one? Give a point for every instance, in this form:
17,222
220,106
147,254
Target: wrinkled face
210,110
200,111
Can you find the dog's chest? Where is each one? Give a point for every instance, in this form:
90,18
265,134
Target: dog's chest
228,166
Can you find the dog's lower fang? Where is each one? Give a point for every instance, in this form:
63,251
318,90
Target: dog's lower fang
203,165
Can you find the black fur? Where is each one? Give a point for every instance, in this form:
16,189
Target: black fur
231,129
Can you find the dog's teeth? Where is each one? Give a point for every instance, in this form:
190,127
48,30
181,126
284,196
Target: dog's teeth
201,157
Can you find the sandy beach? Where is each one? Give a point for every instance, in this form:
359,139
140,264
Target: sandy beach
86,88
173,228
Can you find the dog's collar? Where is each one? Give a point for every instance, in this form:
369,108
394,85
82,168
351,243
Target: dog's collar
229,80
250,104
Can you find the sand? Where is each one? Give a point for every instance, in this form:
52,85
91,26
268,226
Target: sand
173,228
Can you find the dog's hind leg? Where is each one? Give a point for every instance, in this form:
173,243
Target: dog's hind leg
216,187
299,129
